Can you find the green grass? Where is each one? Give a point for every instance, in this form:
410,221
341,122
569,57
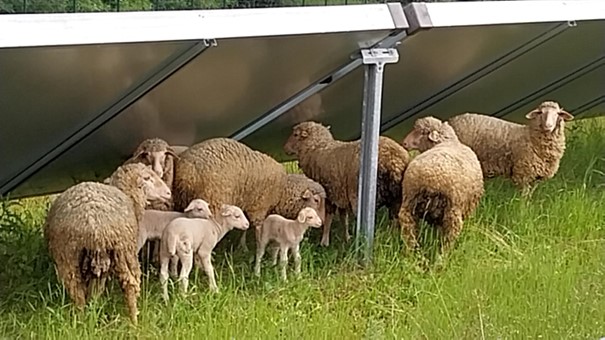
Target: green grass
519,270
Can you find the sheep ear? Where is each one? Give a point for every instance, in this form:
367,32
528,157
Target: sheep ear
304,134
189,207
434,136
301,217
307,194
565,115
328,127
170,151
532,114
225,211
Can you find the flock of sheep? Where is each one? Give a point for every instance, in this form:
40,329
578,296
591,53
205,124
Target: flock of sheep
185,199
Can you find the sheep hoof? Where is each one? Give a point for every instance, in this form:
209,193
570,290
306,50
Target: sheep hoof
325,243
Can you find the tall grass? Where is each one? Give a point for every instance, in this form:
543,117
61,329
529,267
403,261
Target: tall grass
519,270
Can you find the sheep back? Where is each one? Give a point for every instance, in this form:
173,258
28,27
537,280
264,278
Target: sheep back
291,201
224,171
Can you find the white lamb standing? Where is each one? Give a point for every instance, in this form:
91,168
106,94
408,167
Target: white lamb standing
287,234
184,237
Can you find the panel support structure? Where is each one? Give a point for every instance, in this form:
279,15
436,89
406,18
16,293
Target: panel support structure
374,60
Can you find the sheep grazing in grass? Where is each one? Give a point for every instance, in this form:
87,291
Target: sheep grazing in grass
524,153
335,165
91,230
442,185
287,234
301,192
223,171
189,237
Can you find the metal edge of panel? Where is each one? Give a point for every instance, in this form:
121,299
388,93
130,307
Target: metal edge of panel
125,27
418,16
473,76
148,82
475,13
588,105
398,15
552,86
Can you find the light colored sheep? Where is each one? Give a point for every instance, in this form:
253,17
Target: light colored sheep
523,153
186,237
159,155
154,221
287,234
335,165
223,171
442,185
300,192
91,230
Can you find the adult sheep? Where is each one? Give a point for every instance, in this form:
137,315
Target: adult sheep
442,185
524,153
335,165
91,230
225,171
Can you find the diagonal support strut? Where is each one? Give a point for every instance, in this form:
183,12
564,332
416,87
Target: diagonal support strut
374,60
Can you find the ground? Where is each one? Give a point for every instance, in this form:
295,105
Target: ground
519,270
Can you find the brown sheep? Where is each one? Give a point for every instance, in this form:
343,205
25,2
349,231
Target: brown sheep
524,153
91,231
301,192
442,185
335,165
225,171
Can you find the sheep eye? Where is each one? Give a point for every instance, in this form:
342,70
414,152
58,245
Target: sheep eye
147,178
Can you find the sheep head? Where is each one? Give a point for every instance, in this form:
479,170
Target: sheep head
154,152
428,132
198,208
309,216
234,217
315,201
548,116
142,178
307,135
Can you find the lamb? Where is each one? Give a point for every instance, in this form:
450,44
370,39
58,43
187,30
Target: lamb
91,232
185,236
301,192
335,165
524,153
442,185
222,171
287,234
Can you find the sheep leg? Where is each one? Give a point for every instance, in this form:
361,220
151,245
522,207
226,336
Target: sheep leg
408,229
186,266
242,242
207,264
344,218
297,259
325,237
164,260
283,262
274,253
68,271
452,226
260,252
174,265
129,275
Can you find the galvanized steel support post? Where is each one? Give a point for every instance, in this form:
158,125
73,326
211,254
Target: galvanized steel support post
374,60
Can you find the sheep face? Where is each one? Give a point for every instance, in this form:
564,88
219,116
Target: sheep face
548,116
306,135
315,201
426,133
153,186
234,217
198,208
154,152
308,216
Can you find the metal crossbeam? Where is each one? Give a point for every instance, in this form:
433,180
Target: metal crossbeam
374,60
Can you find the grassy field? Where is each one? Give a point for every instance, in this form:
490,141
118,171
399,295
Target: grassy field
519,270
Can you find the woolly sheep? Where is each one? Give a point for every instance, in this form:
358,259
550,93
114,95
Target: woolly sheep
442,185
524,153
301,192
223,171
159,155
91,231
287,234
184,237
335,165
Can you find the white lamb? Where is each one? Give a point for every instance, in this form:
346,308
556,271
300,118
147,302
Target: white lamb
184,237
287,234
